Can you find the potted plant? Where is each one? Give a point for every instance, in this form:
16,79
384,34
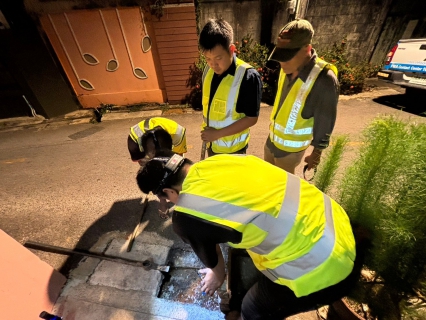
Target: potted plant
384,192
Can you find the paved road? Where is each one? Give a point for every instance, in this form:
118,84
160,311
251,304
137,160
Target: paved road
67,184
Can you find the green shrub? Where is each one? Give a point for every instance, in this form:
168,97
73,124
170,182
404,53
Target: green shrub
194,82
251,52
327,168
351,76
384,191
257,55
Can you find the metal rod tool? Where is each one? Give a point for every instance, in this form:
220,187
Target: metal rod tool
133,236
146,264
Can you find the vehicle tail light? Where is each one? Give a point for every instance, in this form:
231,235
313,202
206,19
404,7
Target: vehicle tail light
389,56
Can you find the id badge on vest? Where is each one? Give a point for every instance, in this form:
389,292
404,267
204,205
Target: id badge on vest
218,108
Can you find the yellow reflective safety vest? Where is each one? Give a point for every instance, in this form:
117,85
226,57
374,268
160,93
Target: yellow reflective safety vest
288,131
222,110
296,235
176,131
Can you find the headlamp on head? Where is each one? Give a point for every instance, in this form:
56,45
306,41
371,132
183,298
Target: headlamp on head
171,166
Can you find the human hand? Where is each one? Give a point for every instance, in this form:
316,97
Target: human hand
313,159
163,210
211,281
210,134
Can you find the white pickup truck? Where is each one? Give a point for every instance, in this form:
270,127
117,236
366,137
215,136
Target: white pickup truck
405,64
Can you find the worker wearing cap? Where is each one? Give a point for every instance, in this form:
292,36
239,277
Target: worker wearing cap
299,239
304,111
151,135
231,92
162,128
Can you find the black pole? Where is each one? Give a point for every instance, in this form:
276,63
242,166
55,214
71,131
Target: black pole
146,264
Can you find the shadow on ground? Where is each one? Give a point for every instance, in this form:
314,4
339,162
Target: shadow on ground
123,216
411,103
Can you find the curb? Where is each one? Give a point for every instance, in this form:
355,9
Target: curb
117,113
88,116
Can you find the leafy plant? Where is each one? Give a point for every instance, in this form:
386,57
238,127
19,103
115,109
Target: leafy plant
384,192
257,55
351,76
157,8
328,167
252,52
194,82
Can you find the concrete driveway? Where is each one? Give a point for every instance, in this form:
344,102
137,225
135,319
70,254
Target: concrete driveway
66,183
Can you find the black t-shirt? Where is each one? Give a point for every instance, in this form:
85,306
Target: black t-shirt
203,236
250,93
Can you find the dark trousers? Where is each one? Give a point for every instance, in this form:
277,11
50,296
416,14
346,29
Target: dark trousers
268,300
210,152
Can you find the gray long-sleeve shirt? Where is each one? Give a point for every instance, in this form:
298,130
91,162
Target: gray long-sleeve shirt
321,104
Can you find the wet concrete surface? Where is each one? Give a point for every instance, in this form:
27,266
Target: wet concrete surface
184,285
183,282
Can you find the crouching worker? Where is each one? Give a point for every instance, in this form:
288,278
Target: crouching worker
151,135
167,134
300,239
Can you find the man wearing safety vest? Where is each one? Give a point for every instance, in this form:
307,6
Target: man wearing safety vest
155,133
304,111
151,135
300,239
231,92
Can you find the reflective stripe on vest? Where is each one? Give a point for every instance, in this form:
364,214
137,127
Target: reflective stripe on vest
239,73
221,111
291,131
146,124
302,97
289,143
277,229
228,144
291,121
206,69
138,131
315,257
179,131
288,130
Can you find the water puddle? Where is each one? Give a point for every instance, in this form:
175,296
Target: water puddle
184,285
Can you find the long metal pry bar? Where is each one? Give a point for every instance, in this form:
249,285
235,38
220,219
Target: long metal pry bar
146,264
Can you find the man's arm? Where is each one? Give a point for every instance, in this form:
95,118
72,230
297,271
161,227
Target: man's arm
214,277
204,238
212,134
321,104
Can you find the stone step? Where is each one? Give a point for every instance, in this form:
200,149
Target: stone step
87,302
